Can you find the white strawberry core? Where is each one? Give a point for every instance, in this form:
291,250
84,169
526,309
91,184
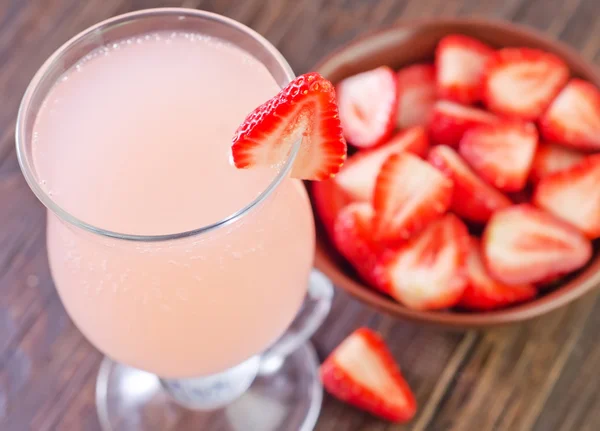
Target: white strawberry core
460,66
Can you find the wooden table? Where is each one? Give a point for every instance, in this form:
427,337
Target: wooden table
540,376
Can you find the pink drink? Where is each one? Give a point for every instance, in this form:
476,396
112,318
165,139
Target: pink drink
135,139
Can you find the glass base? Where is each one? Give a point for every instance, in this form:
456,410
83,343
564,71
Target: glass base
285,396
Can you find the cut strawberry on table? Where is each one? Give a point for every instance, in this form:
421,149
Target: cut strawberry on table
501,153
523,244
460,62
409,193
485,293
522,82
573,119
362,372
306,109
552,158
472,198
427,272
367,104
573,195
416,95
329,200
358,175
450,121
353,237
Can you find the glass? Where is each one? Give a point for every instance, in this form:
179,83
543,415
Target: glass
183,357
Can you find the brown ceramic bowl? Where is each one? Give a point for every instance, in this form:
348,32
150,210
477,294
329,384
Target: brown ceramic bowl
412,42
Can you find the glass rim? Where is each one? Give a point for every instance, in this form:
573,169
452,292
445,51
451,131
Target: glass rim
25,111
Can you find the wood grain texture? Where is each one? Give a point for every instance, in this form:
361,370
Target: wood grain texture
540,376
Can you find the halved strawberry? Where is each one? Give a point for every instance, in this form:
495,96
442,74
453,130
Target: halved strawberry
573,119
521,82
523,244
362,372
472,198
353,237
305,109
368,103
329,200
485,293
409,193
450,121
427,272
573,195
357,176
416,95
501,153
460,62
552,158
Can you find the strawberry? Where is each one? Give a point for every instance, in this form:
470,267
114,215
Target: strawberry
353,239
358,175
501,153
416,95
523,245
409,193
329,200
573,195
552,158
573,118
472,198
306,110
362,372
450,121
368,103
485,293
460,62
427,272
521,82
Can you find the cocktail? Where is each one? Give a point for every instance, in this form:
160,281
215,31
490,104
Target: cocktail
169,259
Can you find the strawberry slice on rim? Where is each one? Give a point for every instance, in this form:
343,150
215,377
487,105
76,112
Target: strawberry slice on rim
523,244
450,121
357,176
367,104
502,153
573,119
573,195
485,293
461,62
416,95
552,158
427,272
472,198
409,193
362,372
306,109
521,82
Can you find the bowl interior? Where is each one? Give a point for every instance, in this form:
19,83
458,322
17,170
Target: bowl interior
413,42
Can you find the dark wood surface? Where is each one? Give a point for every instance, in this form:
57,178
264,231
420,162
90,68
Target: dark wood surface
540,376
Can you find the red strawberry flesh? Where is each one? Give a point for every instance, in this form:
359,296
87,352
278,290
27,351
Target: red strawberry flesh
573,195
502,153
521,82
367,104
472,198
461,62
409,193
450,121
305,110
362,372
523,244
573,119
416,95
357,176
552,158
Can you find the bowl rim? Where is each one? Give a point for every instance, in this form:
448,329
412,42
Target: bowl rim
551,301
